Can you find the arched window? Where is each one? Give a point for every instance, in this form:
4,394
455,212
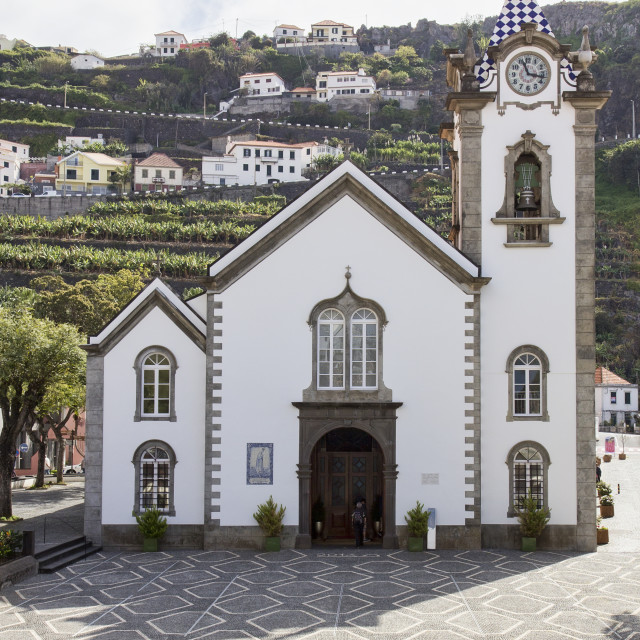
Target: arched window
364,349
528,464
154,462
347,349
331,350
155,385
527,369
527,384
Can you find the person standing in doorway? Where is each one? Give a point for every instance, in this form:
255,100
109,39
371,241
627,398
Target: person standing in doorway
359,521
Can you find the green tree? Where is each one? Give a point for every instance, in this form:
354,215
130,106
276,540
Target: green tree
87,304
120,176
35,356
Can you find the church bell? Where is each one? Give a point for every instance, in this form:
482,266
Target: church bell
526,199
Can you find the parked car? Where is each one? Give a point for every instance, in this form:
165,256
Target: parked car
20,195
72,469
47,194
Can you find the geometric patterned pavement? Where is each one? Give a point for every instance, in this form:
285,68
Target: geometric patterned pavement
329,594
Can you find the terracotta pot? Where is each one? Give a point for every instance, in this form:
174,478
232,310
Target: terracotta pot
602,536
622,456
606,510
606,457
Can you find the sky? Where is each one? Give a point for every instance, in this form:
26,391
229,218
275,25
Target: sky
123,25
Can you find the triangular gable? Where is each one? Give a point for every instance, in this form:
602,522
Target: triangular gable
155,295
515,12
344,180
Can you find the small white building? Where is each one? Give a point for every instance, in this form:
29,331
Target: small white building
7,44
12,155
158,172
288,33
260,85
168,43
77,142
86,61
342,83
616,400
259,162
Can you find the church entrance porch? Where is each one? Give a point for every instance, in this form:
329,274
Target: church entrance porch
346,465
356,442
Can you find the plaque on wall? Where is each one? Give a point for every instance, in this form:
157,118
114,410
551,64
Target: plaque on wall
260,463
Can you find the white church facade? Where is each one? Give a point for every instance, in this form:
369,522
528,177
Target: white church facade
346,350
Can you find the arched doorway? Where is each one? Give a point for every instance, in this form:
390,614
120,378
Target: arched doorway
346,465
377,419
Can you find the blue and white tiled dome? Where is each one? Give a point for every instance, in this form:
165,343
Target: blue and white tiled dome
508,23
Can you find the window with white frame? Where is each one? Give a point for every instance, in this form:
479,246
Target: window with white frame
347,347
364,349
331,350
527,382
528,464
154,463
527,369
155,396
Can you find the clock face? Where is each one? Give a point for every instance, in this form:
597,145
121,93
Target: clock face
528,73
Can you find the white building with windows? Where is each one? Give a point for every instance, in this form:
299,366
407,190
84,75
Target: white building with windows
261,162
356,84
260,85
158,172
331,32
12,155
345,349
86,61
168,43
616,401
288,33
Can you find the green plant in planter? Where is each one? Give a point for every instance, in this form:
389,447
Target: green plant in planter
417,520
604,489
269,517
606,500
152,525
532,519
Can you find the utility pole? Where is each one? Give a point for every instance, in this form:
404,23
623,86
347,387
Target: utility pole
633,119
204,107
65,94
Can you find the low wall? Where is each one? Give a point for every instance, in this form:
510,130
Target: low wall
17,570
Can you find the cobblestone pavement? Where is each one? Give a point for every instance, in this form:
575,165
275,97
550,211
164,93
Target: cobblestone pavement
333,593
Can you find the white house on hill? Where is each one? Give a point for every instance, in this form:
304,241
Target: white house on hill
86,61
262,85
345,349
330,84
168,43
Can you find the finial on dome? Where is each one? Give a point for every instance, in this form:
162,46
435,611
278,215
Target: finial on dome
347,275
581,60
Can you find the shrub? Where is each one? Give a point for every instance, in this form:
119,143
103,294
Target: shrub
417,520
606,500
151,523
269,517
533,519
10,543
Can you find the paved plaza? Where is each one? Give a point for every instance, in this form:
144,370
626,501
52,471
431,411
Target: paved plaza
338,593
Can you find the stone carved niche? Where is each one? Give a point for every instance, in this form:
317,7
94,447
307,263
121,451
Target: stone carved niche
532,226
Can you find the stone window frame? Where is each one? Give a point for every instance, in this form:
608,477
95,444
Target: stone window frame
549,214
510,462
137,458
544,362
347,303
139,361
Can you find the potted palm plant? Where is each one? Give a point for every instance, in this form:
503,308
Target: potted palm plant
152,525
317,517
417,520
533,519
606,505
269,517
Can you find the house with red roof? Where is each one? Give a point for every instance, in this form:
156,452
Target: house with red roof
616,401
158,172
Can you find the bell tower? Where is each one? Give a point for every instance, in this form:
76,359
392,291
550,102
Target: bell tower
523,172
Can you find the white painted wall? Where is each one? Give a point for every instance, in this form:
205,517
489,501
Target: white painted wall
122,435
530,300
267,360
86,61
